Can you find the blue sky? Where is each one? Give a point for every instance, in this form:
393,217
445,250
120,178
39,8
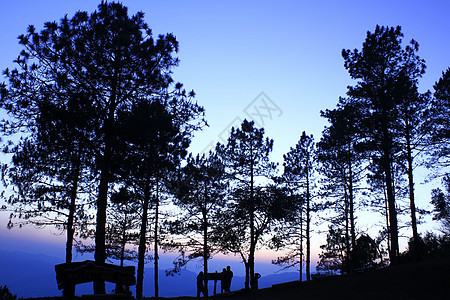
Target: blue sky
231,51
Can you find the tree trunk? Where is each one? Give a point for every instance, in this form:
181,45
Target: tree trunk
386,164
124,239
308,219
351,208
205,253
347,235
205,242
69,289
393,253
142,243
120,287
102,199
156,241
411,197
301,244
70,219
386,210
100,232
251,257
251,261
247,276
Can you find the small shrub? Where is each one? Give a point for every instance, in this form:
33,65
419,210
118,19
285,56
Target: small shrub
5,294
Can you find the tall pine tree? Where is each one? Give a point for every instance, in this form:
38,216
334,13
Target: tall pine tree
246,160
298,166
380,68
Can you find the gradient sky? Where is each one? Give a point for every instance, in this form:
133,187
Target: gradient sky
231,51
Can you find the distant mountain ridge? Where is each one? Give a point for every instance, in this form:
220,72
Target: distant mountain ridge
33,275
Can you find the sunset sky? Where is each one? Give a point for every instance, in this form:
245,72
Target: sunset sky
282,58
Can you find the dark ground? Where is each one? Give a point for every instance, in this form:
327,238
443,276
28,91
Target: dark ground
422,280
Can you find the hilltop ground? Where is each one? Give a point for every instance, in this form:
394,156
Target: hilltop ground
422,280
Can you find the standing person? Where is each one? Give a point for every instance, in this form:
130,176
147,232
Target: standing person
200,285
229,277
254,282
223,281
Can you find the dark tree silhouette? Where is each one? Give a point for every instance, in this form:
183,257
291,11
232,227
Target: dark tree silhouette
49,164
342,165
366,252
298,165
412,114
246,158
439,127
154,140
441,201
290,234
271,206
6,294
123,222
200,194
333,258
381,68
146,131
113,59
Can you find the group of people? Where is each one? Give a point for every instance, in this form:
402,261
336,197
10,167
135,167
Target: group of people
225,282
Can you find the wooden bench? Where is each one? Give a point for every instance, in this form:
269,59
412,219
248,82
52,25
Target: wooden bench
70,274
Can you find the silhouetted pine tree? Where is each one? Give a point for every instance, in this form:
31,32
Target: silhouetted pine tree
441,201
412,113
272,207
438,127
200,193
290,234
122,225
342,165
49,164
334,256
333,259
153,141
246,161
123,221
298,165
380,67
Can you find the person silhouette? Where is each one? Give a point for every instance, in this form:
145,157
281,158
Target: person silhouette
254,282
223,281
229,276
200,284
